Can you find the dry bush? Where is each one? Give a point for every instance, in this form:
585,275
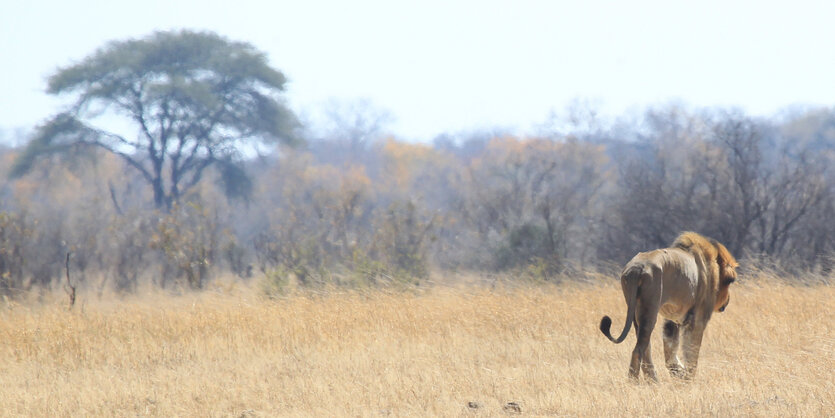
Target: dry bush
441,351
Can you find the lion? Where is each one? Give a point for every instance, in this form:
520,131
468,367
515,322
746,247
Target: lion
685,283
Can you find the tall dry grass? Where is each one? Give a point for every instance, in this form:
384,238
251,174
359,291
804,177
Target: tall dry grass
438,352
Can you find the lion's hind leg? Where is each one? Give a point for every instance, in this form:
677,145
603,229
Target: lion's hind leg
641,355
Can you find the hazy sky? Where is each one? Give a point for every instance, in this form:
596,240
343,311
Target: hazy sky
448,66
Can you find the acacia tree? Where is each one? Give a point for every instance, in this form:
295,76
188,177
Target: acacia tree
193,99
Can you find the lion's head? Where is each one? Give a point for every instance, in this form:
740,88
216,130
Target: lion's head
721,265
727,275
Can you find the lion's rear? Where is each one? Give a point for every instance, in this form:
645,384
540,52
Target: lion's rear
633,275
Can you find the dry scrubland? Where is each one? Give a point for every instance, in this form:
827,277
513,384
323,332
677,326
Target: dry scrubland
230,352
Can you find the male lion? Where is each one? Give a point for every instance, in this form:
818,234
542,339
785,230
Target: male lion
684,283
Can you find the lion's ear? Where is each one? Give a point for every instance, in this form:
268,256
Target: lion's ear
724,257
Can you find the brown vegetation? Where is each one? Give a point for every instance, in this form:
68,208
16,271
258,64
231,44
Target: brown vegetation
440,351
358,208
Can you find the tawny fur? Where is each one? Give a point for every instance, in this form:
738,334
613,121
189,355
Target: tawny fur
685,284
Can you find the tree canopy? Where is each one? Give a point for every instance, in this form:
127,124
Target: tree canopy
193,98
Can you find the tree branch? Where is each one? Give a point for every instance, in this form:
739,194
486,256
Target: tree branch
69,288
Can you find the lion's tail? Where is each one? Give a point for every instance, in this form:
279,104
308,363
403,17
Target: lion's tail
632,278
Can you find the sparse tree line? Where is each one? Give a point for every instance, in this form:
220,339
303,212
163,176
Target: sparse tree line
394,211
221,179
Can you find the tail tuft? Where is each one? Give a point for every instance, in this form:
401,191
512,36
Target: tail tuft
605,325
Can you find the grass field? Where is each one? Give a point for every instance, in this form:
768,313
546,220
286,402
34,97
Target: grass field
442,351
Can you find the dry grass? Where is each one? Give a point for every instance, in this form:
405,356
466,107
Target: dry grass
232,353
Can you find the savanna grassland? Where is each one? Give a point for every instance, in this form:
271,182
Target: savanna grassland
439,351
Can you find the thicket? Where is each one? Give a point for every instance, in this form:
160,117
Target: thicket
356,207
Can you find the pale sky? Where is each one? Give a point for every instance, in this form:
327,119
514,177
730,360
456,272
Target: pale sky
451,66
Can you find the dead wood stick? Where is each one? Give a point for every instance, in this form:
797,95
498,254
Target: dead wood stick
69,288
